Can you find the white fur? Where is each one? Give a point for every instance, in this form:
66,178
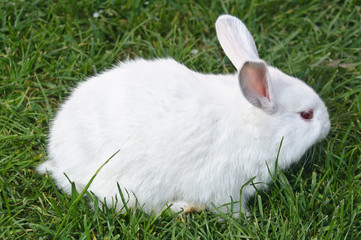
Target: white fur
186,139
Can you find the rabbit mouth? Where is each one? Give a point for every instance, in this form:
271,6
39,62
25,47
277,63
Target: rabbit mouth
325,130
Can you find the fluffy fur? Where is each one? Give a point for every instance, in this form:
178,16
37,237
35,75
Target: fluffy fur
186,139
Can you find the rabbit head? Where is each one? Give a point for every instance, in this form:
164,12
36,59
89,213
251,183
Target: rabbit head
301,115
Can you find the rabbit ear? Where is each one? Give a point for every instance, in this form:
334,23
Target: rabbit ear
239,46
236,40
256,86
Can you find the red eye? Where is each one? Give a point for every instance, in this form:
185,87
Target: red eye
307,115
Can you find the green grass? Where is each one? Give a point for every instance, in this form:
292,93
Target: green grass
46,48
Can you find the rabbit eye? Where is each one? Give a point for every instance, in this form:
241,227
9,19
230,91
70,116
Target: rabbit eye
307,115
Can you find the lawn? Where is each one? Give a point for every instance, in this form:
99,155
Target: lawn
47,47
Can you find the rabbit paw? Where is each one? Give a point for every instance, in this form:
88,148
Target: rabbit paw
186,207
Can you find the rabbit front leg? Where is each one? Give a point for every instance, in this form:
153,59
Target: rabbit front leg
186,207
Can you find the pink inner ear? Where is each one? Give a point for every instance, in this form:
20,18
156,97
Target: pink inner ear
257,79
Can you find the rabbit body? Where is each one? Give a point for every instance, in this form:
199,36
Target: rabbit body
186,140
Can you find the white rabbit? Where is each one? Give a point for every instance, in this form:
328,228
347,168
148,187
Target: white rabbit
187,140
